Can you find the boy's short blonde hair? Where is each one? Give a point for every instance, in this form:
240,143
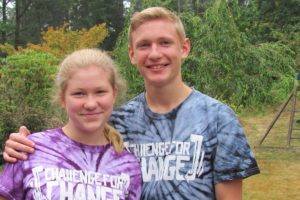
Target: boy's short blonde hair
154,13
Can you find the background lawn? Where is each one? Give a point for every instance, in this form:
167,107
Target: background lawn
280,166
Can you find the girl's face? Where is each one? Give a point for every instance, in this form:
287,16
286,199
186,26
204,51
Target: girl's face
88,99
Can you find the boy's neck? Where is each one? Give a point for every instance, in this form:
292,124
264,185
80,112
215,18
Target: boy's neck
164,99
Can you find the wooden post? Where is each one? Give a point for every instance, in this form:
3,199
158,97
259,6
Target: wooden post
282,107
292,117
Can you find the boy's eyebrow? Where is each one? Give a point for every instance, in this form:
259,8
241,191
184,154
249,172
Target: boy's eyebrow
141,42
158,39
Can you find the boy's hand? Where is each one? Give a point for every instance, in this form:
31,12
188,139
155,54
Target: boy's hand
17,145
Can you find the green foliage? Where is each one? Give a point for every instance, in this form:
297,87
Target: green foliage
228,61
6,49
85,14
225,65
135,83
163,3
26,79
36,16
269,21
63,40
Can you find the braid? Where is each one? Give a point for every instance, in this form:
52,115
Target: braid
114,138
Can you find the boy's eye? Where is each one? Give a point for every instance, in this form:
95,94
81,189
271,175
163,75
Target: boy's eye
142,45
165,43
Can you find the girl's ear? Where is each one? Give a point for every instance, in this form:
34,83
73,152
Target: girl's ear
62,101
116,91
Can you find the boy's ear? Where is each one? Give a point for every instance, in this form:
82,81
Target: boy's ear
186,48
131,55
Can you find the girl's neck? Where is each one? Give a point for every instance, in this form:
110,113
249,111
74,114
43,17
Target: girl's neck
96,138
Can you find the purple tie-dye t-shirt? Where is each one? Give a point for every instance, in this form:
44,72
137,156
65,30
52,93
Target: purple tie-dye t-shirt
61,168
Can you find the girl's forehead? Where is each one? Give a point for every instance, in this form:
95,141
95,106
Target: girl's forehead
89,76
89,68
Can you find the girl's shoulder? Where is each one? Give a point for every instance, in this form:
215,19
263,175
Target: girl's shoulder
45,135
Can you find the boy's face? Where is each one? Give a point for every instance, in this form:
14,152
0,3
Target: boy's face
157,51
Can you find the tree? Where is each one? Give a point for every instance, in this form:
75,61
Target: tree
4,21
21,8
31,17
85,14
223,63
269,21
41,15
6,24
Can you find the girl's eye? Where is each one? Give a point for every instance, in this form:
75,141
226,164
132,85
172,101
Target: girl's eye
101,92
77,94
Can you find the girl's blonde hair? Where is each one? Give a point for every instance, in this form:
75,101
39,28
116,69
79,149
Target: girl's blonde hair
85,58
154,13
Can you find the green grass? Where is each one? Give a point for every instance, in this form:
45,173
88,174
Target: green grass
279,165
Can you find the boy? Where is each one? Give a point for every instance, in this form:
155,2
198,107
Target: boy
190,146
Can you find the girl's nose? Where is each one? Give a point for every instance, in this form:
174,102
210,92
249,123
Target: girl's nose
90,102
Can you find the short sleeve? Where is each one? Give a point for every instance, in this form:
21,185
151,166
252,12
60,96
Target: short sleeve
11,181
234,158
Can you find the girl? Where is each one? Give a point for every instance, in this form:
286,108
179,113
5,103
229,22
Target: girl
85,159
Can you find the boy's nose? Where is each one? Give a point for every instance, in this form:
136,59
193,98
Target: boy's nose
155,52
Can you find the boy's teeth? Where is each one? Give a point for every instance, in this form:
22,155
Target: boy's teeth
156,67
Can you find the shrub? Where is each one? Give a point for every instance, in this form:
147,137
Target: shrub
6,50
26,79
62,40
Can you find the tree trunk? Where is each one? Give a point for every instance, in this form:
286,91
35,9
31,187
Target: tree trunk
138,6
4,21
179,6
18,24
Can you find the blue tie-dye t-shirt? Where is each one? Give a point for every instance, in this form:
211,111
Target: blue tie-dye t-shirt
185,152
61,168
